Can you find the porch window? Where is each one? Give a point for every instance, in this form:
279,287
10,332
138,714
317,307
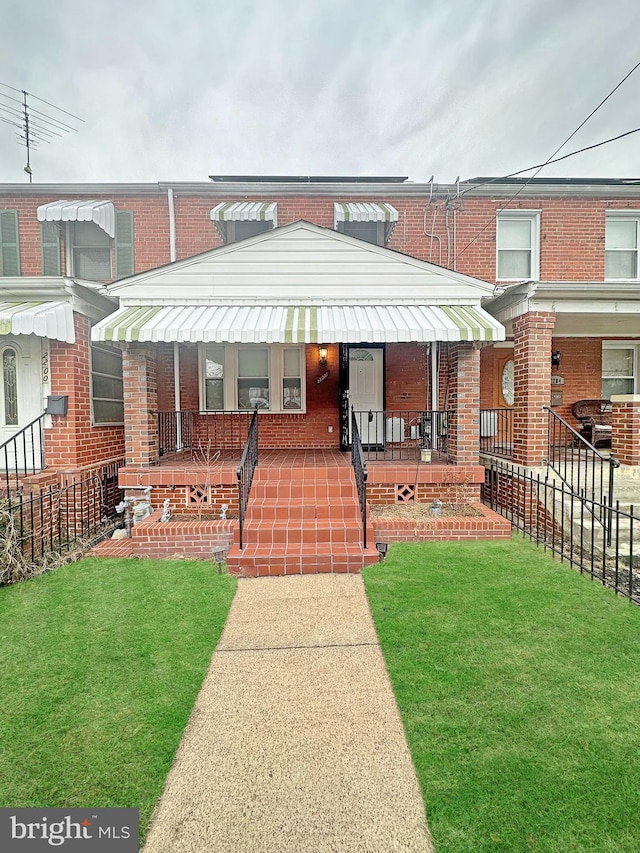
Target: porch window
619,368
236,377
106,386
10,387
621,248
517,245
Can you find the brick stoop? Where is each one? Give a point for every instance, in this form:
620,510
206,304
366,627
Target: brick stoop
301,520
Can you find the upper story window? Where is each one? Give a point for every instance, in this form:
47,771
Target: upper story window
369,221
621,247
98,240
9,243
518,245
243,219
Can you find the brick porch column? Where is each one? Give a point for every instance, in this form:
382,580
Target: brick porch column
532,334
464,397
140,399
625,422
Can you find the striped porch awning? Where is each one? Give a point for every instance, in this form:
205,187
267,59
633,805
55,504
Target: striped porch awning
100,212
53,320
364,212
244,211
289,324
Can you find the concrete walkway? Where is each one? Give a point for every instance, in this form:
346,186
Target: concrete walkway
295,743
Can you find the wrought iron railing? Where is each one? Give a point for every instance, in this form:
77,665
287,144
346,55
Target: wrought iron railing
548,513
360,472
22,454
245,470
402,434
496,432
196,434
588,473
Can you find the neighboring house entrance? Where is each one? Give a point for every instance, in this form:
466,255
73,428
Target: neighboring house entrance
20,395
366,393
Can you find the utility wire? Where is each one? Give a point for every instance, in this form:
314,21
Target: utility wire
550,158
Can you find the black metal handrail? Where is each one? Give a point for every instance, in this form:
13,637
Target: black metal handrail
582,468
193,433
400,434
22,454
496,432
245,470
360,472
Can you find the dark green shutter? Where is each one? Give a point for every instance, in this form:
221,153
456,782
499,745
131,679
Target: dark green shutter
9,245
124,243
50,243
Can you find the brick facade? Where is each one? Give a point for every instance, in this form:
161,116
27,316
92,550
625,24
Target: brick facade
625,443
463,388
532,367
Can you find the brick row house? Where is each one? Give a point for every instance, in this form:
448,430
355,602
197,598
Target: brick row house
415,305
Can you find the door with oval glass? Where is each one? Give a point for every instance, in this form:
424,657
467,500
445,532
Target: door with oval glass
20,398
366,392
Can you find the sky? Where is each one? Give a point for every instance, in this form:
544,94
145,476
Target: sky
456,88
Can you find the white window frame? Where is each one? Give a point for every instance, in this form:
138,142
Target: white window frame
633,345
631,216
276,377
533,217
71,248
93,373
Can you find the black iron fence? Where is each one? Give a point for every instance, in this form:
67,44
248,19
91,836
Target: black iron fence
245,471
403,434
585,470
496,432
38,525
550,513
207,436
22,455
360,472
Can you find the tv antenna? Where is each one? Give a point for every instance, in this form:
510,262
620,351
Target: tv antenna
35,126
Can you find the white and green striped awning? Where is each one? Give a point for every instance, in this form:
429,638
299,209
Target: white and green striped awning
53,320
243,211
290,324
364,212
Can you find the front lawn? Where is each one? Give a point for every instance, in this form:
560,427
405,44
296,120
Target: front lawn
100,664
518,682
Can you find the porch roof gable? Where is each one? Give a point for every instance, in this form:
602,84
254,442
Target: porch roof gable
296,324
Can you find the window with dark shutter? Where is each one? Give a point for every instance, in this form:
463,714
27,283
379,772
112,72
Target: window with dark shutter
9,243
124,243
50,244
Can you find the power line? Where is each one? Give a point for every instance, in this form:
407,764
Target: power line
551,156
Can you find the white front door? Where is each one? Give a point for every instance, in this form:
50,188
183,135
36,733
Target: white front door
20,399
366,392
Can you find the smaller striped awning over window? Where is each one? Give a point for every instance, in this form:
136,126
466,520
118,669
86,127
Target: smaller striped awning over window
364,212
100,212
53,320
289,324
245,211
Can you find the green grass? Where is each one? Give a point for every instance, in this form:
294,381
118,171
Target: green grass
100,664
518,682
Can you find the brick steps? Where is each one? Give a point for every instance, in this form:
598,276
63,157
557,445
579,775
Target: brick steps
301,520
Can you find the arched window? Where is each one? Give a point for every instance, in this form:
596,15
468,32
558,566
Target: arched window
10,387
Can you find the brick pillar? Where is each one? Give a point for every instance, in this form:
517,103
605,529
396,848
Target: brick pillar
464,399
532,334
140,399
625,421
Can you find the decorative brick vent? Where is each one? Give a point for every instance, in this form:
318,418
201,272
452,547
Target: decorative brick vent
198,495
404,494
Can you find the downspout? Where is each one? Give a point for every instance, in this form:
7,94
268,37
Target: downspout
434,393
176,346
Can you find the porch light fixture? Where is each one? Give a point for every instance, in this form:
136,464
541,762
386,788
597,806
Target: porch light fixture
556,358
381,548
322,353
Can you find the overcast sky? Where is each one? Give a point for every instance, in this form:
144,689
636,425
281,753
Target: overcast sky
179,91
